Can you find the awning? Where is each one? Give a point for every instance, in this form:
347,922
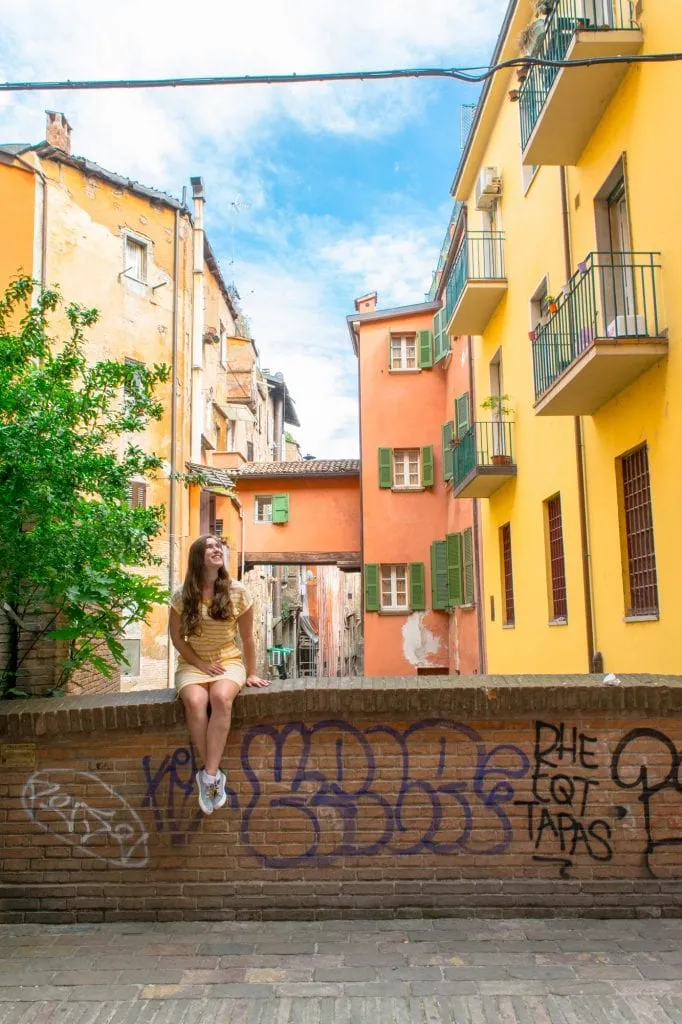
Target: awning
237,412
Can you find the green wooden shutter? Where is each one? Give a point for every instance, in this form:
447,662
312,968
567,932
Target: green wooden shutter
280,508
468,560
462,414
441,339
439,576
389,350
427,466
417,587
385,467
447,431
425,347
372,587
454,565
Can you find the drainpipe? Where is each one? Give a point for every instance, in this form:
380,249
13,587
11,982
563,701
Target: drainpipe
172,504
197,319
579,452
480,607
240,509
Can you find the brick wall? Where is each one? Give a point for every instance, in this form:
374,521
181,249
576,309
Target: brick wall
509,796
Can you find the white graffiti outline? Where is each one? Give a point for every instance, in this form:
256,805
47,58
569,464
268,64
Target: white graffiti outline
40,792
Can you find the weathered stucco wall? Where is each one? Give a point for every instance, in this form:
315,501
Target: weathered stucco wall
497,795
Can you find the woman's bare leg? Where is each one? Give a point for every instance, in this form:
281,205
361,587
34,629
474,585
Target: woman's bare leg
194,696
221,696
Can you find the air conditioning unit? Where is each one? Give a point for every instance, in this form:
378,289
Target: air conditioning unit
488,188
633,325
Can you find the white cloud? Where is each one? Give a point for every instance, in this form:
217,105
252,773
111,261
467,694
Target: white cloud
300,274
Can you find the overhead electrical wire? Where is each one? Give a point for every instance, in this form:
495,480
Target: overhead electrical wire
473,76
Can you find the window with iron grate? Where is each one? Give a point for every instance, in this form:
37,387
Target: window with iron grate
557,564
137,494
641,591
507,574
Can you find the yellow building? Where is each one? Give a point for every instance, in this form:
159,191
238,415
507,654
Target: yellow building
565,268
142,259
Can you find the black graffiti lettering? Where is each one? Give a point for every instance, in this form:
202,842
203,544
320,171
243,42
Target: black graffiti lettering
562,788
546,822
584,754
594,828
633,768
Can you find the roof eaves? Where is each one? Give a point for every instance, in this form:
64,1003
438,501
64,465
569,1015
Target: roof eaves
396,311
499,44
93,170
213,266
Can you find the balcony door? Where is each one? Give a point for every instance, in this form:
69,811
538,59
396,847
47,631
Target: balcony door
619,279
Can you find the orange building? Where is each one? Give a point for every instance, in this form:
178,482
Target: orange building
418,548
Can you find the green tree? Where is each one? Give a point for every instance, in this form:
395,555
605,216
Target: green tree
72,550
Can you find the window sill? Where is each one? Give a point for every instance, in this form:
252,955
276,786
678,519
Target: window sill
419,487
558,622
416,369
394,611
508,625
641,618
466,607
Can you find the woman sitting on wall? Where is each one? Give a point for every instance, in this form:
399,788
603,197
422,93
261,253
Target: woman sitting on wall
205,616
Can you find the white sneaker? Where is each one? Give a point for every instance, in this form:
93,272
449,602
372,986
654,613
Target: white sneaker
220,798
205,792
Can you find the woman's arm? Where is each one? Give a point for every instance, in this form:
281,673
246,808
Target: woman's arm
187,651
245,624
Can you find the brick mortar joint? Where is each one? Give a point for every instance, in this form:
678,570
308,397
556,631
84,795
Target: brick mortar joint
486,697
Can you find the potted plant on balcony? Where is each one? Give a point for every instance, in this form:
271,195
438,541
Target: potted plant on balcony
552,305
501,409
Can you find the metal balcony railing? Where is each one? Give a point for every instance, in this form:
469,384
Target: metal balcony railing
483,445
611,295
443,255
566,18
480,257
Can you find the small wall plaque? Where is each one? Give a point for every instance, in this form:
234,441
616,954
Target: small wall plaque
18,755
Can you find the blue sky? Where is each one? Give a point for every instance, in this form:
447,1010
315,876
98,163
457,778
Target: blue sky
328,191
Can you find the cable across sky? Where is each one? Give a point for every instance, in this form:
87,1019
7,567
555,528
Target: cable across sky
473,76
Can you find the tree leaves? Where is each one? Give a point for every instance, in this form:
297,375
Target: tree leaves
69,541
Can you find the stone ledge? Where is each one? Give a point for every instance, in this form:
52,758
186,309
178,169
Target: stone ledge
477,697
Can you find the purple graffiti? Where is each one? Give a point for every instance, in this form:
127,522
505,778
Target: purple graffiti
343,805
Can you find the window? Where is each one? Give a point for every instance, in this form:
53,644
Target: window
441,338
249,451
135,259
447,432
218,528
507,575
230,427
406,467
137,494
468,565
528,172
401,468
404,352
558,606
223,345
641,582
271,508
394,588
131,388
131,652
462,422
263,508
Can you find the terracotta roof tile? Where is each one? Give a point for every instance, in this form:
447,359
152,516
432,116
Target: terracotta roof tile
304,467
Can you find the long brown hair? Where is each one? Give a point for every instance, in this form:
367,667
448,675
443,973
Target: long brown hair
192,589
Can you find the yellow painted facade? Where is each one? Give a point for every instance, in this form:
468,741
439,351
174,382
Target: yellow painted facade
130,252
632,138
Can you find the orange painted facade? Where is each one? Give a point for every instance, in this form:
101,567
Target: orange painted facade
403,410
17,215
324,516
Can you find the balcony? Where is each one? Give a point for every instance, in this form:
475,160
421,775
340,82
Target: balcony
483,459
561,107
476,283
605,333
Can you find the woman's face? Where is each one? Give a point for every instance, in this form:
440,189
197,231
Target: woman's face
213,554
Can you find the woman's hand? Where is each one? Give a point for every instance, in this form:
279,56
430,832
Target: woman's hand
211,668
257,681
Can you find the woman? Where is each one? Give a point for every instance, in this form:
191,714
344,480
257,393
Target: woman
205,615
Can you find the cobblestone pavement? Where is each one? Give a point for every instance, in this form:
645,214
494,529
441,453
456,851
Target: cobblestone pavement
446,970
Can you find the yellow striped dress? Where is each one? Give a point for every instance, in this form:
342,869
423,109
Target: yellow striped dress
215,641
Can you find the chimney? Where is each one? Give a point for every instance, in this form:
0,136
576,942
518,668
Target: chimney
58,132
366,303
